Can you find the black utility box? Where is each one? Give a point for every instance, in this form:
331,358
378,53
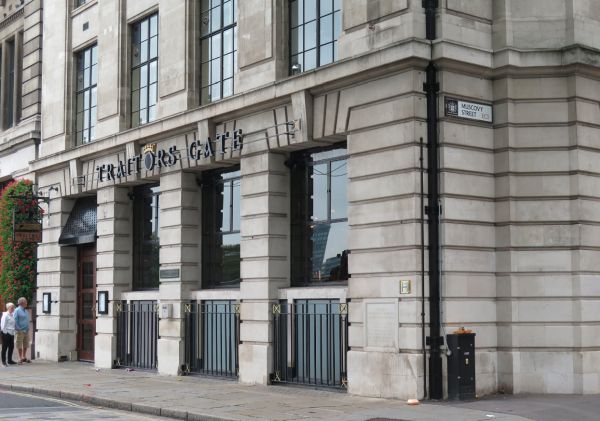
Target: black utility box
461,366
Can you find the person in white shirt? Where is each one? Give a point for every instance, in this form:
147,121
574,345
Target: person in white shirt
8,334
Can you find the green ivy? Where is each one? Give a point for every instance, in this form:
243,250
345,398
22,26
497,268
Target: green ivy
17,259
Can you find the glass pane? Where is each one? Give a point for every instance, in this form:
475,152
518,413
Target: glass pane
79,102
87,335
326,7
152,94
144,30
86,100
94,100
143,98
144,51
205,50
87,275
153,71
135,100
79,122
215,69
135,118
326,54
215,18
87,56
135,54
135,79
296,13
339,184
228,41
95,55
154,25
227,13
144,75
310,35
326,30
152,113
337,25
86,78
330,252
310,10
94,74
205,95
215,92
297,40
228,66
135,34
226,210
215,50
205,74
227,87
310,59
319,188
153,47
79,79
230,258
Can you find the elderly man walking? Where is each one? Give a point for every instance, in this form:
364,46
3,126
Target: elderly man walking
22,330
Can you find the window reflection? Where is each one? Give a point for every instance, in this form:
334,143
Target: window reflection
315,27
146,242
144,72
319,216
221,229
218,44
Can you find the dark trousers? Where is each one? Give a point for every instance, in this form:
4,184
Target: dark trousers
8,345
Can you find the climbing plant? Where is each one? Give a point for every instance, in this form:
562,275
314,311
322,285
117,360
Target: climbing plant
17,258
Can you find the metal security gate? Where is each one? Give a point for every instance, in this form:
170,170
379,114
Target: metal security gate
137,334
212,335
311,343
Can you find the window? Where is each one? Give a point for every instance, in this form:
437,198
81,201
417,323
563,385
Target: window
319,216
218,44
221,229
10,84
145,237
86,100
144,70
315,26
80,2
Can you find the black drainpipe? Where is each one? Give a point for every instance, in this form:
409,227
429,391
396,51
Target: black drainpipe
431,87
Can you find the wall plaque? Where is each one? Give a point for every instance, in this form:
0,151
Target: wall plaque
381,325
169,273
469,110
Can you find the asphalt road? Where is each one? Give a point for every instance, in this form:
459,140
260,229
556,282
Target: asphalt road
22,406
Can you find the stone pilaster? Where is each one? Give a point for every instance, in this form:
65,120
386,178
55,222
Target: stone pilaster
265,259
56,332
179,238
113,265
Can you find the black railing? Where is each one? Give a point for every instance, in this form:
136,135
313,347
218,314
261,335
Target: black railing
310,343
212,335
137,334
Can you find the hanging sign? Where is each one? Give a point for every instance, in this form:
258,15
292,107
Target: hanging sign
468,110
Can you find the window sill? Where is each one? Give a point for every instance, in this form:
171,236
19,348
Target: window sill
80,9
339,292
216,294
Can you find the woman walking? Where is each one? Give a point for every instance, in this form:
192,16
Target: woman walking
8,334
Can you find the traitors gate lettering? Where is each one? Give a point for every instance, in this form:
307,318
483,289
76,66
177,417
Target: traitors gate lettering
150,158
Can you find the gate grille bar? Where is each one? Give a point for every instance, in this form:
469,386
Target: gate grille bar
137,334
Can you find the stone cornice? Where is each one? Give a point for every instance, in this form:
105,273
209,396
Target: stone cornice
11,18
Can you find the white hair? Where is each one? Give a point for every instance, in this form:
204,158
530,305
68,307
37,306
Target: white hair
21,300
9,306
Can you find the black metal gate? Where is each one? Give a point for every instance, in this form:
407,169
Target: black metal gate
212,335
311,343
137,334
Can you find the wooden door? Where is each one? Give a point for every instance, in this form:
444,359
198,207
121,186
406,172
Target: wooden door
86,302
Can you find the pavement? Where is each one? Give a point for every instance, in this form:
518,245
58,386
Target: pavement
200,398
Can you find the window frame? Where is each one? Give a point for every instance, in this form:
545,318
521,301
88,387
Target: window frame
136,108
300,215
140,193
10,94
80,55
302,24
208,36
212,230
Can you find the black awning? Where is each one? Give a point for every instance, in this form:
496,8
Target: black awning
81,225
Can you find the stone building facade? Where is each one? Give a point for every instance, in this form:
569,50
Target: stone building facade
20,87
246,170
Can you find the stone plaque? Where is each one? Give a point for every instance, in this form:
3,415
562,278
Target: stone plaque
169,273
381,328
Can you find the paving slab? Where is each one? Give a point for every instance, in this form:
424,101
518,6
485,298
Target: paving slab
200,398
